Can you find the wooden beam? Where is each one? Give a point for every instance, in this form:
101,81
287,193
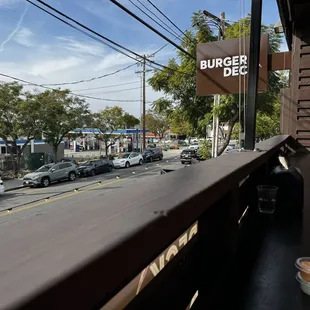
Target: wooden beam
279,61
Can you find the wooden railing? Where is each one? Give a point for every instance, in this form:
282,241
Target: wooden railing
160,244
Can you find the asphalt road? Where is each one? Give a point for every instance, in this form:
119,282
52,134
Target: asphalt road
26,202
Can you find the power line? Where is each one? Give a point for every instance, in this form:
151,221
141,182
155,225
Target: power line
164,15
155,21
152,28
108,86
92,79
158,17
101,36
115,91
84,32
72,93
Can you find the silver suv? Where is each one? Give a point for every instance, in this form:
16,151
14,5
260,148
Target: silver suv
47,174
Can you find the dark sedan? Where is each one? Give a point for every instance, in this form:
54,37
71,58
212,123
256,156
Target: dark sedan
93,167
189,156
152,154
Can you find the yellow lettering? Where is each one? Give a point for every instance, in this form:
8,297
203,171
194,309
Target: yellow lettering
173,251
183,240
193,231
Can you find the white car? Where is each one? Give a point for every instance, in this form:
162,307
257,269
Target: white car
128,159
2,188
194,146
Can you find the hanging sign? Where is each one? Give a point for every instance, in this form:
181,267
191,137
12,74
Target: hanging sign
222,66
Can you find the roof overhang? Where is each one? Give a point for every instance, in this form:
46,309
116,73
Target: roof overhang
285,12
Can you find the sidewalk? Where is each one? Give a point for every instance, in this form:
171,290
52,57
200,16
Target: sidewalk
12,184
92,154
18,183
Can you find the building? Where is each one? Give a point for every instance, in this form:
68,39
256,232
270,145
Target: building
34,146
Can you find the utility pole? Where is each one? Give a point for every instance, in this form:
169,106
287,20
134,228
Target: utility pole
143,102
144,71
215,126
253,75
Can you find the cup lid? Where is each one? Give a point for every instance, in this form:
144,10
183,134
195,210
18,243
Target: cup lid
301,280
301,266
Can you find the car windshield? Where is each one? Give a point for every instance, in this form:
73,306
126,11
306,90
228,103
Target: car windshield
126,155
88,163
45,168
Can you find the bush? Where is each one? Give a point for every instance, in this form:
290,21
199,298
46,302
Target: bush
205,149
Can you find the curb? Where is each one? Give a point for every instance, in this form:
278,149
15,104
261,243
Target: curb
14,188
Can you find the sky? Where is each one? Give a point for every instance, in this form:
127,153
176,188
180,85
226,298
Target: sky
40,49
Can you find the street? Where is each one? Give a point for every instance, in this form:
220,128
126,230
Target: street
25,202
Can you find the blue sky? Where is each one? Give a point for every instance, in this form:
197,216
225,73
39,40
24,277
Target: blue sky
38,48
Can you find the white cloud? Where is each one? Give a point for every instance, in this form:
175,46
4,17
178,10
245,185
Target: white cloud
113,60
82,48
15,30
24,37
8,3
51,62
55,65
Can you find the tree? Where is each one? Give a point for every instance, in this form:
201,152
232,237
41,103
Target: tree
108,121
205,149
60,114
267,125
178,81
156,123
130,121
162,106
19,117
180,124
229,106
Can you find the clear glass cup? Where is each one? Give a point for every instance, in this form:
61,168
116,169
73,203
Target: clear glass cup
267,195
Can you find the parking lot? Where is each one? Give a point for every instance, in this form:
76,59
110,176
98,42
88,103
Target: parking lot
17,204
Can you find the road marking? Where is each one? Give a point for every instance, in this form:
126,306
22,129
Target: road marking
30,206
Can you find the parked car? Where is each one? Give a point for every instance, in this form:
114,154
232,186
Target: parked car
2,188
93,167
69,160
152,154
50,173
128,159
188,155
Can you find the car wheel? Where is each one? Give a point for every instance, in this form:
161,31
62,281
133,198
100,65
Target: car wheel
110,168
45,182
127,165
161,157
72,176
93,173
140,162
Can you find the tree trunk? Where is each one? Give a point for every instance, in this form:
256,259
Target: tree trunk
13,151
106,148
231,125
55,151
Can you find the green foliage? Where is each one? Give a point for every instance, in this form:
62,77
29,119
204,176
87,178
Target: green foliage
179,81
156,123
179,123
267,125
61,113
205,149
162,106
19,117
130,121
